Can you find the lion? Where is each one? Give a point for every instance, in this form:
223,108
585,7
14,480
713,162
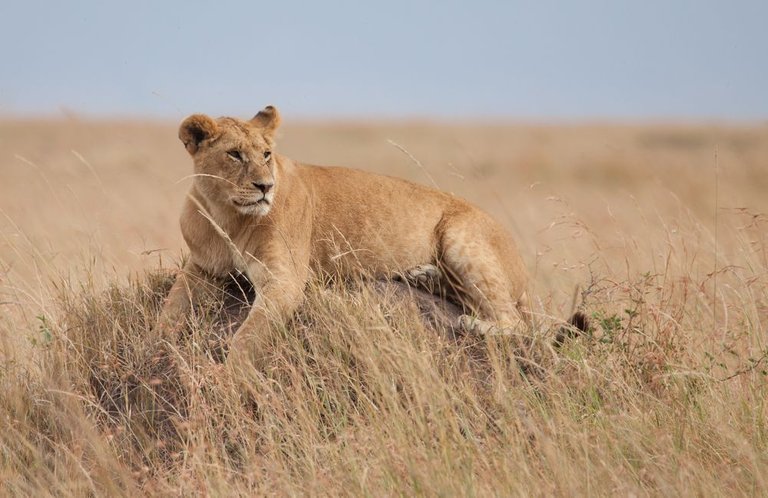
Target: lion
277,221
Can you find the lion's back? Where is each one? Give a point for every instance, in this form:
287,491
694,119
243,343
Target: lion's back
375,220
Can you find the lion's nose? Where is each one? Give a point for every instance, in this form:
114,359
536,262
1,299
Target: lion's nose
264,187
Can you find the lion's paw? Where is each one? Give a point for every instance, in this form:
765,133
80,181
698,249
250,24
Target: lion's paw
479,327
426,277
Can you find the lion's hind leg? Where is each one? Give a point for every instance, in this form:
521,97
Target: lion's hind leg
482,267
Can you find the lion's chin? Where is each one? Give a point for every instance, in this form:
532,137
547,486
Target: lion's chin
256,208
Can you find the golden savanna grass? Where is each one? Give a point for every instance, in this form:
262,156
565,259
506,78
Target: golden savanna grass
659,233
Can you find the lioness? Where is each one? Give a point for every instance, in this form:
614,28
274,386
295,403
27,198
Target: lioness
277,221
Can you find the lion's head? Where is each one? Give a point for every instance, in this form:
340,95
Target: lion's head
234,164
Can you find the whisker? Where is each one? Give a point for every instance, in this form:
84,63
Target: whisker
204,174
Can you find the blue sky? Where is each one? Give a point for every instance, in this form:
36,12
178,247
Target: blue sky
481,59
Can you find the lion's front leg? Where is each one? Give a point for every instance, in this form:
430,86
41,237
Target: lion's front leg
277,298
191,282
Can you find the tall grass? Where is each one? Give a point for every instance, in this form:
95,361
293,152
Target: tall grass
358,396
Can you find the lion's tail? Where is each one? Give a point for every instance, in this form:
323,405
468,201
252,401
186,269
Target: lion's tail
577,324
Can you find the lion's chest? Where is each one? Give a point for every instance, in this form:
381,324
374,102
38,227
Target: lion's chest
210,250
214,257
236,252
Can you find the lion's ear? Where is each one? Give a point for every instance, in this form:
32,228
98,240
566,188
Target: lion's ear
268,119
195,129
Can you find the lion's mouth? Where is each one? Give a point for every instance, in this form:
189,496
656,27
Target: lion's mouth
248,203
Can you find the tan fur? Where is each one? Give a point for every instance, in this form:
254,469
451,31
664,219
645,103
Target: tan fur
328,220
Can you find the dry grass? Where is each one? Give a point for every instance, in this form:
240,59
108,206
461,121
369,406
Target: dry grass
658,231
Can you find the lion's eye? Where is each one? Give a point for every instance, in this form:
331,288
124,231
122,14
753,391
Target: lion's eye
235,154
267,154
